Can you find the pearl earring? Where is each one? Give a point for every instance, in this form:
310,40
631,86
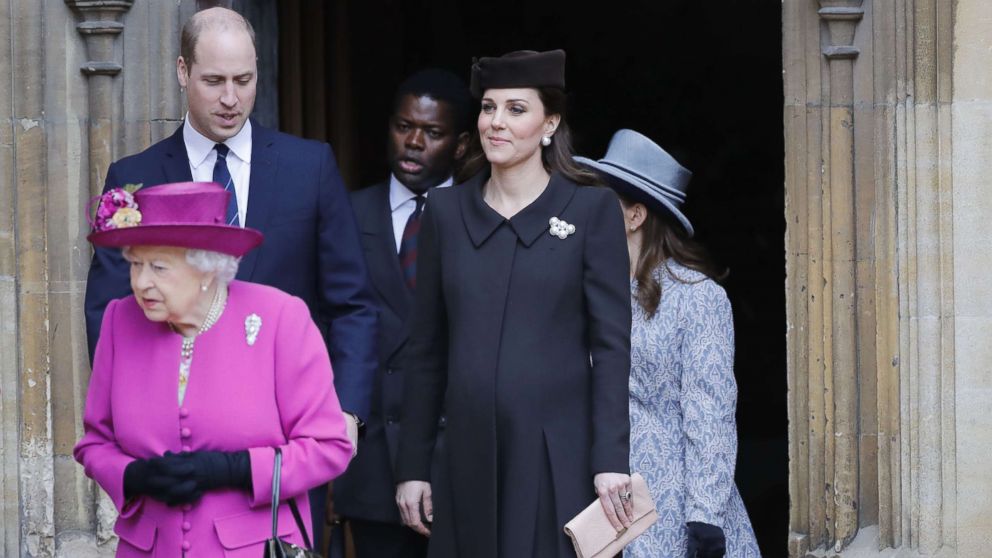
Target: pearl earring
203,287
546,141
633,228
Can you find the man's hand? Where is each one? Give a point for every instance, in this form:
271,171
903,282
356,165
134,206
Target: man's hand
409,497
351,422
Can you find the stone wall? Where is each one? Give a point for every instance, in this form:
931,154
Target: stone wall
83,82
887,135
971,114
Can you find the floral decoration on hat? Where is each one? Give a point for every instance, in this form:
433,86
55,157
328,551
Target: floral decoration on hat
116,209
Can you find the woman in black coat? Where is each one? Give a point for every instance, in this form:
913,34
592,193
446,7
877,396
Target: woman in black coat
521,330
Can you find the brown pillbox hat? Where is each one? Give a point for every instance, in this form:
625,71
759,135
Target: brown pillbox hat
521,68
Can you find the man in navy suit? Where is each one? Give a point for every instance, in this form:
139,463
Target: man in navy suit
428,133
284,186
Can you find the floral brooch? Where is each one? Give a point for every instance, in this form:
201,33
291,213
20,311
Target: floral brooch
115,209
560,228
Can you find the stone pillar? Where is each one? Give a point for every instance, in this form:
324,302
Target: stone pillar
926,276
971,116
871,276
839,226
32,369
100,25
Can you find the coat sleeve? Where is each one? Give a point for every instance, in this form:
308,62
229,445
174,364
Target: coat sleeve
709,400
425,359
606,285
107,279
102,458
317,448
345,303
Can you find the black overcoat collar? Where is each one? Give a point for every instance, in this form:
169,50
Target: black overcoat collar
529,224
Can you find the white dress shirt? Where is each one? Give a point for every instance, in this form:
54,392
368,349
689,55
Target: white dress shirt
202,156
402,202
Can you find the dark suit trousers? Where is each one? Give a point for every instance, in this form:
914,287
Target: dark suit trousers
374,539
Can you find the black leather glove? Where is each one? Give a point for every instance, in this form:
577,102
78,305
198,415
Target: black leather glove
211,469
147,477
705,541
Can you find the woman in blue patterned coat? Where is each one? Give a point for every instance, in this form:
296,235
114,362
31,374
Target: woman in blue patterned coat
683,436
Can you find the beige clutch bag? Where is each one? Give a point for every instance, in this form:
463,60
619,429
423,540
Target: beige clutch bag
594,537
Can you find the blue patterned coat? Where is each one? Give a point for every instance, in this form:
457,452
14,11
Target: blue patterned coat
683,436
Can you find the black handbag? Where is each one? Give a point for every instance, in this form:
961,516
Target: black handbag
276,547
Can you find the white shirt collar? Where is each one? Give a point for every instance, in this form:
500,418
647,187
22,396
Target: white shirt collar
198,146
400,194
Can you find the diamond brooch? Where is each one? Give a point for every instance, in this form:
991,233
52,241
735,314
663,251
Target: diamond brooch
560,228
253,323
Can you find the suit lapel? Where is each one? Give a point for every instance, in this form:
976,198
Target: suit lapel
261,189
175,165
383,261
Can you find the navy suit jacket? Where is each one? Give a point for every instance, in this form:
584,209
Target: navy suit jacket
311,248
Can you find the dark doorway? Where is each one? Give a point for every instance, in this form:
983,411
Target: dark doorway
704,79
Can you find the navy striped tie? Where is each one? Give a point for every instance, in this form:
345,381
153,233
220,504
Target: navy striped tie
222,176
408,245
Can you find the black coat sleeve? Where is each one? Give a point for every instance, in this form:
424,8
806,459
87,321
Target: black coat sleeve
424,359
606,284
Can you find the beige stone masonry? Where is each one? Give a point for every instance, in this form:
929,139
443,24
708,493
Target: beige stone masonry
915,136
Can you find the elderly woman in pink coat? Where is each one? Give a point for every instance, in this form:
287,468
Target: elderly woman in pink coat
197,380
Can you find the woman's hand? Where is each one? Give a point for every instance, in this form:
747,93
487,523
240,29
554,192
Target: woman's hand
614,494
210,469
147,477
704,540
409,497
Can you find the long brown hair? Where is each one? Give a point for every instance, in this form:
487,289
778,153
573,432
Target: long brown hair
664,241
556,157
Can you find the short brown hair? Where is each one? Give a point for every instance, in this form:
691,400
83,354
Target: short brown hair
202,21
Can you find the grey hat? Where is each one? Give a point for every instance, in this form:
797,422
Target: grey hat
644,172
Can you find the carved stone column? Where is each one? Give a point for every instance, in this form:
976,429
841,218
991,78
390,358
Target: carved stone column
926,264
100,25
871,280
840,258
827,303
99,22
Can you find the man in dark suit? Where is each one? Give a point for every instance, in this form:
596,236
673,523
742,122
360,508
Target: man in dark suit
284,186
428,133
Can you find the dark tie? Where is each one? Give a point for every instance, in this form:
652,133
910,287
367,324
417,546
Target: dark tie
408,245
222,176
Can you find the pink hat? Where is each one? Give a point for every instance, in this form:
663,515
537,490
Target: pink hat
183,214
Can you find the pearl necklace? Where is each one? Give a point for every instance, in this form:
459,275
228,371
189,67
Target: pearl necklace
216,307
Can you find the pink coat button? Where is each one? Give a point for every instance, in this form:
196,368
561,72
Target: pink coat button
183,412
185,432
187,526
187,448
186,545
